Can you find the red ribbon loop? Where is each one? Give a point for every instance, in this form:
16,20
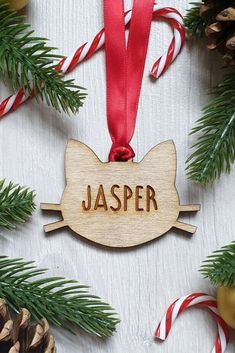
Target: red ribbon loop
121,153
124,71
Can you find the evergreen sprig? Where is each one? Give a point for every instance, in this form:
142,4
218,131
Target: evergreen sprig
220,266
194,22
16,204
62,302
215,149
29,63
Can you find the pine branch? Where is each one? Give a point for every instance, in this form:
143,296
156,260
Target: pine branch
62,302
194,22
16,204
215,150
220,266
27,61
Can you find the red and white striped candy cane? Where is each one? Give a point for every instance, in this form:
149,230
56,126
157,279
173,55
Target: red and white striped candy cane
160,66
199,300
176,21
88,49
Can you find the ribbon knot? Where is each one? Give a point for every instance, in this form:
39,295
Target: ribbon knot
121,153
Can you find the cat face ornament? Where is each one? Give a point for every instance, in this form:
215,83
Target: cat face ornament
120,204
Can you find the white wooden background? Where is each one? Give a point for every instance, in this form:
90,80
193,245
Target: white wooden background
141,282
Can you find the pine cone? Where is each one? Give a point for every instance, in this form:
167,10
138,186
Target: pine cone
220,30
19,336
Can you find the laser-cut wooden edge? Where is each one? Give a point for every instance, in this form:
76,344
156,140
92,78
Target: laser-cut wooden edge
182,208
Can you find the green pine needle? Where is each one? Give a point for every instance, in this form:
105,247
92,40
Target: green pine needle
219,268
29,63
215,150
194,22
16,204
62,302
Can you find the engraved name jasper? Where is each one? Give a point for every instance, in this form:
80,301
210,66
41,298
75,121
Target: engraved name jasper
120,204
123,197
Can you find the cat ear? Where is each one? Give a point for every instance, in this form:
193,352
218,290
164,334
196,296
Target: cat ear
162,159
79,157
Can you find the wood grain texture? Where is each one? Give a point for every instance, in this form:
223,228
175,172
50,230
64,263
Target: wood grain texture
141,283
113,204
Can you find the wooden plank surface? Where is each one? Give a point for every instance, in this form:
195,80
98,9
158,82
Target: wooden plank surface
140,282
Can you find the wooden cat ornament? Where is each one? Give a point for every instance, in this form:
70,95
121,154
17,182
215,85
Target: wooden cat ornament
120,204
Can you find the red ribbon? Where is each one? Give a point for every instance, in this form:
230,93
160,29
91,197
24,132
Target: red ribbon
124,71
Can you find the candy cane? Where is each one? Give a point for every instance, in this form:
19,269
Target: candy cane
199,300
160,66
88,49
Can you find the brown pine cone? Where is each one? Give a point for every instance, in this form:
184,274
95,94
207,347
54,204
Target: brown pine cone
220,30
19,336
